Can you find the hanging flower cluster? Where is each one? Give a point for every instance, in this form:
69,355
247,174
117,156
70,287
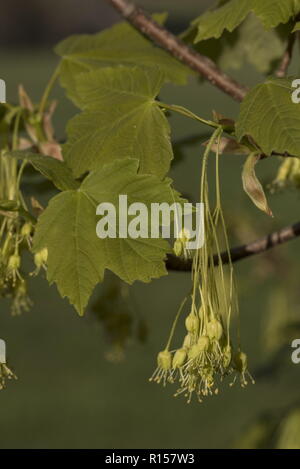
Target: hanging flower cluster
207,354
15,234
22,127
288,175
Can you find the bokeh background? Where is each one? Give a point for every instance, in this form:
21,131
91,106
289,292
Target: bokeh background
74,391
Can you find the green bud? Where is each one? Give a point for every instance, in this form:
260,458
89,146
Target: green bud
179,358
178,248
194,352
214,329
14,262
26,230
192,323
203,343
41,257
187,341
200,347
164,360
241,361
227,355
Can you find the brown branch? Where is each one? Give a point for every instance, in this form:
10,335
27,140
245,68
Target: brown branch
141,21
241,252
286,58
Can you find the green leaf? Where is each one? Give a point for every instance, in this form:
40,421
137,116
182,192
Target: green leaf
254,45
274,12
57,171
121,117
297,27
270,117
119,45
230,15
77,258
250,43
252,186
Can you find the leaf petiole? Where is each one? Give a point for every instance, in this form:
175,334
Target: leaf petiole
185,112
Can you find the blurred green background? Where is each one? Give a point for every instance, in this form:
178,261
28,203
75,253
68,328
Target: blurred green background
68,394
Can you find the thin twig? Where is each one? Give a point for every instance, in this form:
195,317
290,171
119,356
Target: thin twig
286,58
144,23
242,252
140,20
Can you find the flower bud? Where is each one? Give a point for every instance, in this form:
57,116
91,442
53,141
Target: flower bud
227,355
26,230
194,352
164,360
214,329
203,343
178,248
241,361
41,257
200,347
187,341
179,358
192,323
14,262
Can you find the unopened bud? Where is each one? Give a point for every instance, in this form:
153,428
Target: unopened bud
241,361
178,248
203,343
227,355
179,358
200,347
192,323
164,360
194,352
214,329
26,230
187,341
14,262
41,257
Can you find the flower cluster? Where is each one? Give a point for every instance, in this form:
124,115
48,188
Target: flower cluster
23,127
179,247
288,175
205,358
15,235
207,354
15,238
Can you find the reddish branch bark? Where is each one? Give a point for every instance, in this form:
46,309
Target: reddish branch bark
287,57
140,20
246,250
